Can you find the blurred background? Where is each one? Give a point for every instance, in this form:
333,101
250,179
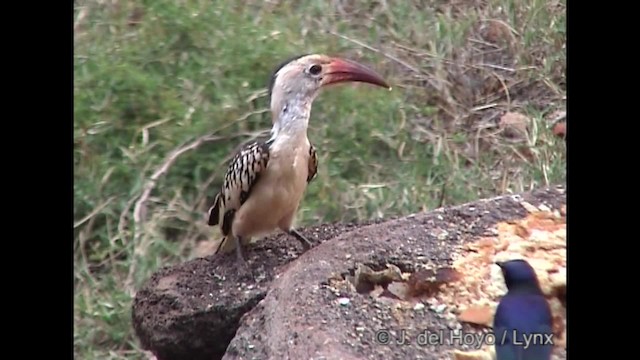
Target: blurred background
166,90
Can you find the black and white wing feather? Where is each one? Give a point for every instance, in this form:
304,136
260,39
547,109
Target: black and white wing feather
243,172
313,164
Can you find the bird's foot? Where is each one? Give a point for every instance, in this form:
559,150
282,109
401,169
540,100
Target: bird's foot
306,244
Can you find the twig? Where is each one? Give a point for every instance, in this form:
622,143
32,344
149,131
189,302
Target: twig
390,57
485,43
498,67
145,129
505,88
241,118
139,209
122,222
410,49
424,53
484,107
93,213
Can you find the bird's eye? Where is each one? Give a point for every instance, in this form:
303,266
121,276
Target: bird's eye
315,69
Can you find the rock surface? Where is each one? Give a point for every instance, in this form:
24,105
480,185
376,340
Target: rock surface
360,286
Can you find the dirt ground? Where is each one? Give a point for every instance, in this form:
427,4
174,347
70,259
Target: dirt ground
341,299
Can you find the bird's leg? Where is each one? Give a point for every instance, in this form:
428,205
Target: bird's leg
303,240
242,262
239,252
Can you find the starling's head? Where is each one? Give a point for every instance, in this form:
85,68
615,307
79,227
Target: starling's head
518,273
302,77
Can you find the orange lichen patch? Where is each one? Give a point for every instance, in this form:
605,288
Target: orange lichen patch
540,238
486,353
481,315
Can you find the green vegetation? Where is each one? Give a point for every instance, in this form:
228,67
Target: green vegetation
154,76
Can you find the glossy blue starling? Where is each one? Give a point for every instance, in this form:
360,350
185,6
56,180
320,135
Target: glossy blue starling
523,324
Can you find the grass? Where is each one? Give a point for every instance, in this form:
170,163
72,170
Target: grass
156,77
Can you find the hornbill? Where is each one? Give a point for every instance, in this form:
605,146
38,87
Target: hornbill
266,180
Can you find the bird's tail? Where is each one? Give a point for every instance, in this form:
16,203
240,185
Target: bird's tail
225,244
214,211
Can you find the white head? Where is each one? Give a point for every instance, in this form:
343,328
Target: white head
296,82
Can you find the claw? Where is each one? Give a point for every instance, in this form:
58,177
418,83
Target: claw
306,244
